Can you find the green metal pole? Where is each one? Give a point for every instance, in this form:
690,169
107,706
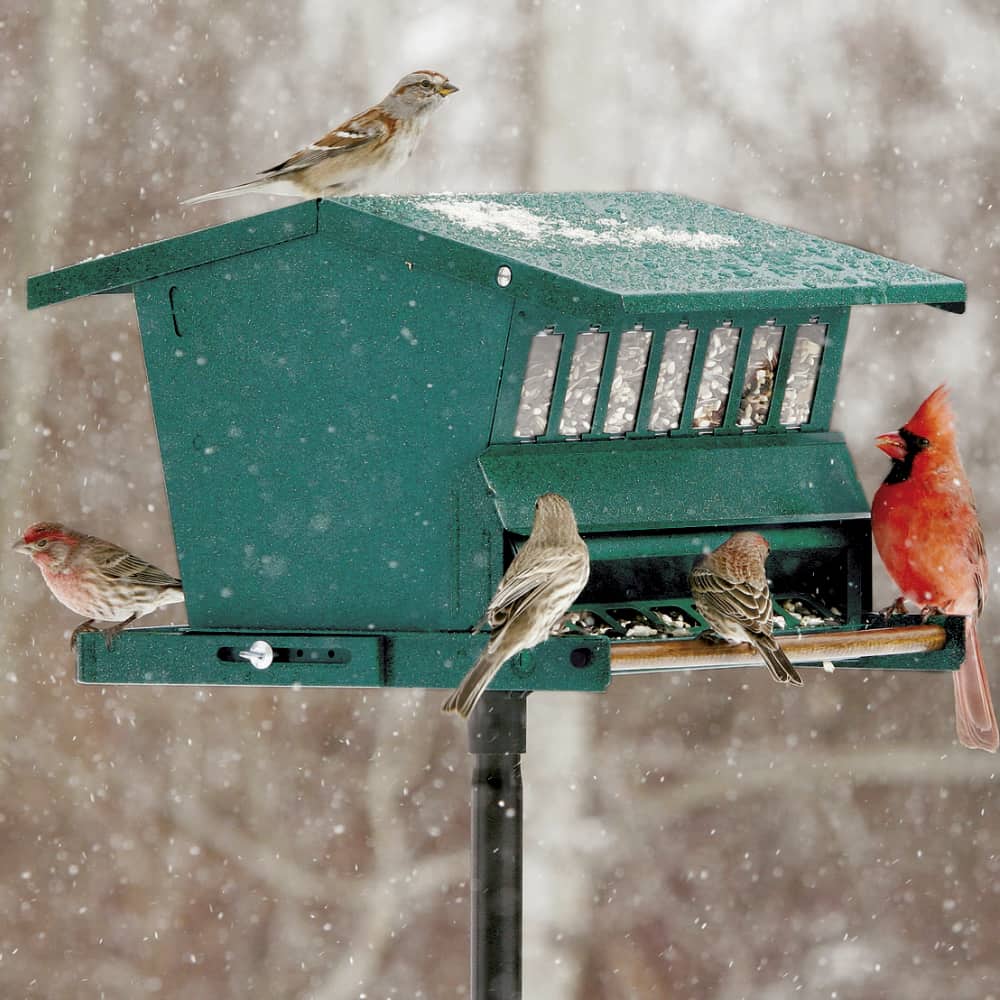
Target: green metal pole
497,737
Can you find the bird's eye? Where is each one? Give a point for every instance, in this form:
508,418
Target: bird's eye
426,84
923,442
41,543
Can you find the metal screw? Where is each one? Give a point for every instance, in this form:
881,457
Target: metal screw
259,655
504,276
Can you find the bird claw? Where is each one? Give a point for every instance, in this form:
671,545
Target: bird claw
713,637
110,634
85,627
930,611
898,607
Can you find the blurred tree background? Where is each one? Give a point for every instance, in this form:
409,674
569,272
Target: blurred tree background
700,835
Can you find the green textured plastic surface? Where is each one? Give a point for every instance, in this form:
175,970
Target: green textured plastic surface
120,272
639,252
318,438
651,252
617,486
186,656
182,656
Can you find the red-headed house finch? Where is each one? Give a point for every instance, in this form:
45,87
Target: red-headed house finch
543,580
929,537
355,153
731,592
97,579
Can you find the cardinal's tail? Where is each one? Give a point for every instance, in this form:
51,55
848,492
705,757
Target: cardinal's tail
974,716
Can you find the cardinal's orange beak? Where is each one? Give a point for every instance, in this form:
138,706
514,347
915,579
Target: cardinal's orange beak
893,445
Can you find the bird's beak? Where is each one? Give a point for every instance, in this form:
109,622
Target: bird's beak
447,88
893,445
21,546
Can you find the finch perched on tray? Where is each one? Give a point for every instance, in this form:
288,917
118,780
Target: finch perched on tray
352,155
543,580
97,579
731,592
929,537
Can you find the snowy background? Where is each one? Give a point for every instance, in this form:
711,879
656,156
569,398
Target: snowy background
694,836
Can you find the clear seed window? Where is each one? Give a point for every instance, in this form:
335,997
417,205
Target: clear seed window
584,381
716,377
802,376
626,388
672,380
758,383
536,390
599,388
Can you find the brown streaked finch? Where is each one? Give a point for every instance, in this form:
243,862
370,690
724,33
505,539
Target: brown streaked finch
352,155
731,592
97,579
543,580
928,534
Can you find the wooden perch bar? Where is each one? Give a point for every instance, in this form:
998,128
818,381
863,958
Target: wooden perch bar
829,647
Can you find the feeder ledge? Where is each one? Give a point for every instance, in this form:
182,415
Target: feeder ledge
832,647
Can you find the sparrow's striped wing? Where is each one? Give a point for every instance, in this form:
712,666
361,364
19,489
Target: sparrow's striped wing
740,602
122,565
362,130
524,579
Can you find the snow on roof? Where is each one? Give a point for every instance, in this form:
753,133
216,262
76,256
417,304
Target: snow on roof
518,221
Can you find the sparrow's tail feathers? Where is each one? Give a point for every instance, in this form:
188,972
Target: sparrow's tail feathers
463,699
779,664
263,184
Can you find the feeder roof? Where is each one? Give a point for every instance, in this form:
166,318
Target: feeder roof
642,252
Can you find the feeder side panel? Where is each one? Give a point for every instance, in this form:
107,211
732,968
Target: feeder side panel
317,406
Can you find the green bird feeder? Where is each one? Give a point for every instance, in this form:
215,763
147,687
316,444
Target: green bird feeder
358,401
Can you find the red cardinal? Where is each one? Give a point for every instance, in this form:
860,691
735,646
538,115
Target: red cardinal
929,537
